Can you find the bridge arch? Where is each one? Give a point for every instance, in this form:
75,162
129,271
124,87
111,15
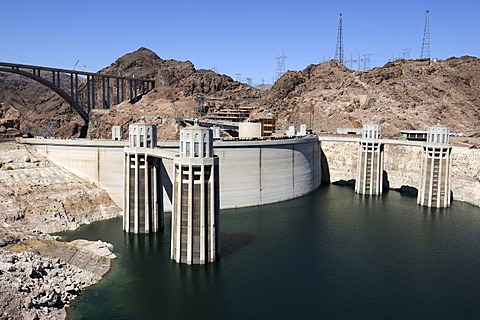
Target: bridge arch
75,105
125,87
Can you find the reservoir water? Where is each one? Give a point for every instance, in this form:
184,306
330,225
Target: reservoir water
331,254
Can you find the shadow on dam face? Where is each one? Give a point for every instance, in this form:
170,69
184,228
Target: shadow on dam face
167,183
385,181
325,168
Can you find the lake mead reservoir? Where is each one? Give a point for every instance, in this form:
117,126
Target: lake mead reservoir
330,254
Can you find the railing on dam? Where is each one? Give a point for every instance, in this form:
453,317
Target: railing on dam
337,138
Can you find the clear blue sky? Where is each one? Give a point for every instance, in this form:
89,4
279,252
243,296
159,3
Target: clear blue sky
236,37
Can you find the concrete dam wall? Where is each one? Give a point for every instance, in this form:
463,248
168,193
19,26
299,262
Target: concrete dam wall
251,172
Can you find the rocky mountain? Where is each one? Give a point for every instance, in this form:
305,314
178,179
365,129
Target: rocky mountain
180,92
403,94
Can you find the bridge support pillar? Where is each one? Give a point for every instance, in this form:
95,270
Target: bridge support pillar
196,202
143,192
435,184
369,176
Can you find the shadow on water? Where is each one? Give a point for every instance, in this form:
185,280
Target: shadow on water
408,191
345,183
230,243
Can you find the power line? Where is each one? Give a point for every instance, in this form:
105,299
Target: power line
425,53
339,49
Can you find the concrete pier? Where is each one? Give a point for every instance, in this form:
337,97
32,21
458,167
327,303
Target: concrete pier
369,176
196,202
143,196
435,184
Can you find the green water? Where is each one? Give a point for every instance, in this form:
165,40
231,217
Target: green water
332,254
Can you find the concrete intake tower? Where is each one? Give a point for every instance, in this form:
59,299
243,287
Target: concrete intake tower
435,184
143,193
196,199
369,176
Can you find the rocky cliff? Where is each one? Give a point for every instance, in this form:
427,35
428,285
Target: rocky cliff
39,195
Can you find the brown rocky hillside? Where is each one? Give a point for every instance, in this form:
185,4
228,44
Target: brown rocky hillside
180,90
403,94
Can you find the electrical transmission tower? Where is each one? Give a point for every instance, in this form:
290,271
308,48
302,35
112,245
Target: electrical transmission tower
339,49
425,53
406,53
280,65
350,62
365,61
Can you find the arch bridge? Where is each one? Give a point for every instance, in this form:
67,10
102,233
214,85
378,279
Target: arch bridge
83,90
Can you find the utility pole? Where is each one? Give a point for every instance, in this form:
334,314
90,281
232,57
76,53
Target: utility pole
425,53
339,49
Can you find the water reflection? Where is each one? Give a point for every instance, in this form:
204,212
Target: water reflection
230,243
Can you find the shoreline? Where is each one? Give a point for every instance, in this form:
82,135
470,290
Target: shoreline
40,274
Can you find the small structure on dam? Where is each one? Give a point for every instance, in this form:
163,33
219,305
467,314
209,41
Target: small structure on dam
143,194
435,185
369,176
196,201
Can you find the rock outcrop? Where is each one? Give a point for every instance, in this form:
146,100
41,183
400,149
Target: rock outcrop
39,275
39,195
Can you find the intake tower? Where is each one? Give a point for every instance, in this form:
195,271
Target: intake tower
369,178
196,199
435,185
